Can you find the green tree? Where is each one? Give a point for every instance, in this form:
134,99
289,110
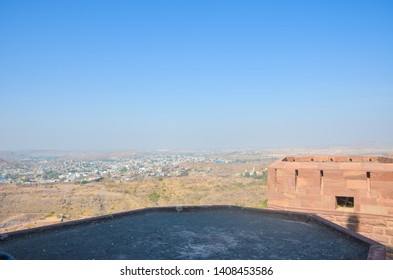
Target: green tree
154,196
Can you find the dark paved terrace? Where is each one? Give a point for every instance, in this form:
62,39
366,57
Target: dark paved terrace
195,233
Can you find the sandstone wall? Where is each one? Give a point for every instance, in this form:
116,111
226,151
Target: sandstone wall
297,184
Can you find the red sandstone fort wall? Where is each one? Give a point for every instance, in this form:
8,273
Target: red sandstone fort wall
311,184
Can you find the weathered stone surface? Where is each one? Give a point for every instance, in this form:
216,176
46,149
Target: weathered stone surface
334,183
389,232
379,230
308,182
354,175
383,176
356,184
378,222
374,209
361,200
379,238
308,190
306,173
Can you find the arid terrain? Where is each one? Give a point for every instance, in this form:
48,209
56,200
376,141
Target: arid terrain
24,206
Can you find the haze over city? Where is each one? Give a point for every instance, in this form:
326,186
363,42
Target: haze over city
129,75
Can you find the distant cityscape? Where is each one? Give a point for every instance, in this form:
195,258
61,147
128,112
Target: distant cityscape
32,168
47,170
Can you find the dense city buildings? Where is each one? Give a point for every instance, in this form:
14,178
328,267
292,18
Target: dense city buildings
32,170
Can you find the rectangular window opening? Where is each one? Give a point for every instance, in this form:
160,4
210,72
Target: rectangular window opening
368,175
345,202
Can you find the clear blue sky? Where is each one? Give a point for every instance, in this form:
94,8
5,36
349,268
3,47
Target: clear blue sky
194,74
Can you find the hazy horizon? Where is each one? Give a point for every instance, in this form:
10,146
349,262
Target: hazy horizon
194,75
347,146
